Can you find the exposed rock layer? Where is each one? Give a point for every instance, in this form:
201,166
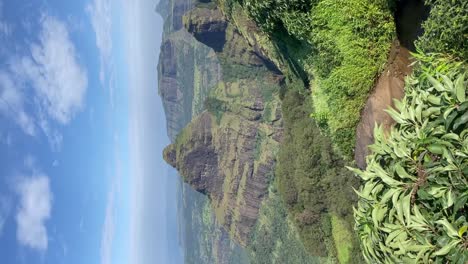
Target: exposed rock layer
228,152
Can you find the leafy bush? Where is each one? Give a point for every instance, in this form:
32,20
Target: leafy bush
446,29
413,205
269,14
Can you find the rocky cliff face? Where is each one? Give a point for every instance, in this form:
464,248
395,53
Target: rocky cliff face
187,71
229,151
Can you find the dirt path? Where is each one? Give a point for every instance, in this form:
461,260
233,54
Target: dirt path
390,85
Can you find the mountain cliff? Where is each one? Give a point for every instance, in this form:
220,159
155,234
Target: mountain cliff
187,70
228,151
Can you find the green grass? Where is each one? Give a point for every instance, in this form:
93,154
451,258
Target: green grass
351,39
342,238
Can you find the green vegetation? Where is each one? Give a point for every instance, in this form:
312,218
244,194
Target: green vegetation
340,45
215,106
205,241
446,29
343,238
275,240
314,184
413,205
351,42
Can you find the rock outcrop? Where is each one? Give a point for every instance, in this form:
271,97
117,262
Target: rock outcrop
228,152
208,26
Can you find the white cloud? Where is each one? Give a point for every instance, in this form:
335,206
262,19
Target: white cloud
34,210
45,86
59,81
12,104
54,137
108,231
101,20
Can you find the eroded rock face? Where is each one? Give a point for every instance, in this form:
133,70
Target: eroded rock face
208,26
229,151
187,71
230,161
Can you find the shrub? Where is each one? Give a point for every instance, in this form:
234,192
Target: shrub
413,204
446,29
269,14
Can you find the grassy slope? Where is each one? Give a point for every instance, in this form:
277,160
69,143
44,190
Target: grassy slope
351,40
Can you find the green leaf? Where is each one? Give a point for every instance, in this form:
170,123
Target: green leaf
451,136
447,81
449,198
402,172
393,235
406,204
451,231
463,120
448,111
395,115
462,231
436,149
434,99
437,85
460,88
446,249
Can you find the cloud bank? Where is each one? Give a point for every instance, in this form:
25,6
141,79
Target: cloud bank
46,85
34,210
53,71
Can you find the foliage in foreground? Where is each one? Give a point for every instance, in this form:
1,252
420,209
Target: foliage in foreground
446,29
413,205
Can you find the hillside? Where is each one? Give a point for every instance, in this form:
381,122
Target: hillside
299,97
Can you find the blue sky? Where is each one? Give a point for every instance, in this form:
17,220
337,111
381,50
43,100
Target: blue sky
81,134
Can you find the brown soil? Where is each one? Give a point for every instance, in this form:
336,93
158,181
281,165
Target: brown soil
389,86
